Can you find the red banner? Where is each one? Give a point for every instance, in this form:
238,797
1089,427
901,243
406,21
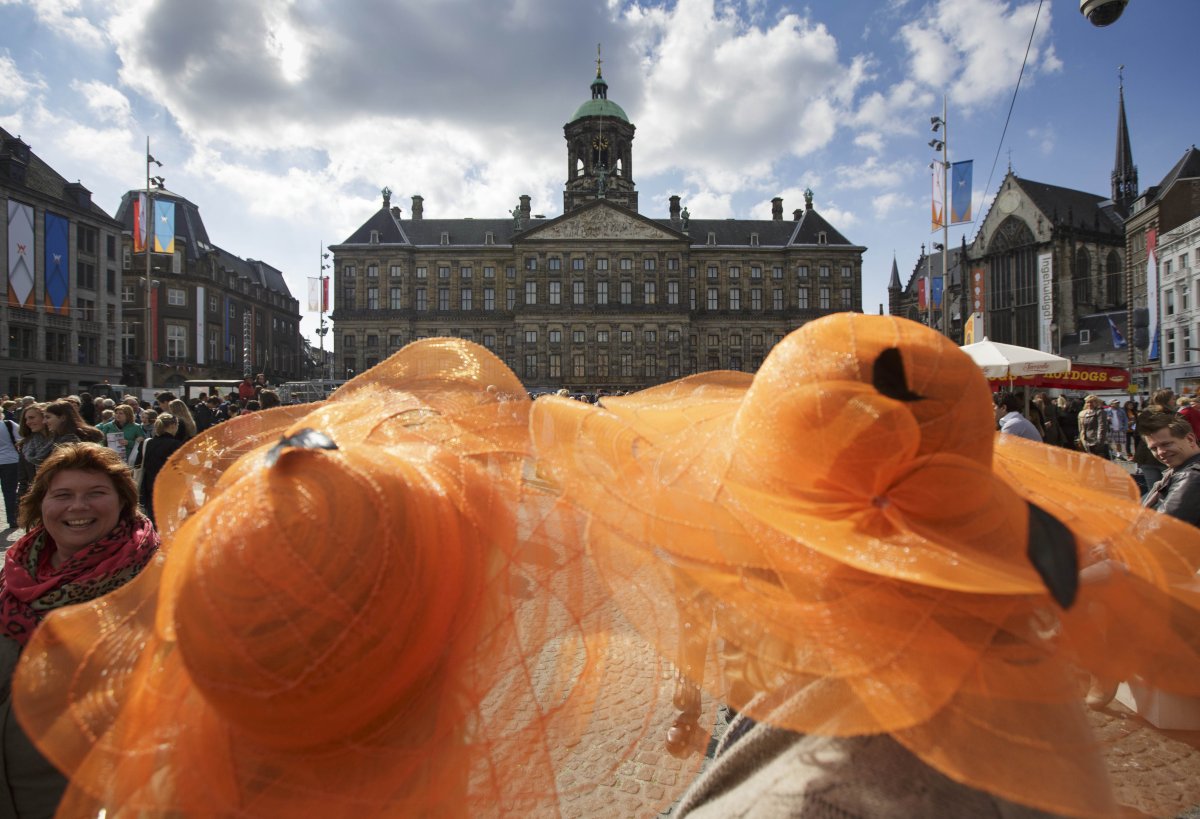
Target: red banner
1084,377
922,298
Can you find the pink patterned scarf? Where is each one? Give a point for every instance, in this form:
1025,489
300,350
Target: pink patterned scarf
30,587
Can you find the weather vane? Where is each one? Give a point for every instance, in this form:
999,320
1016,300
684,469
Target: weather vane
598,61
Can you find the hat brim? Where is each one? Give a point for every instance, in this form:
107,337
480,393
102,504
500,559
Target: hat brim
366,630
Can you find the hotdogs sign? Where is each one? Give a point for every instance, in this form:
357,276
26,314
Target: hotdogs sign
1086,377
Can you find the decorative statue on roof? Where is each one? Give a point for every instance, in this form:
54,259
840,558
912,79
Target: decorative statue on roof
601,175
684,215
808,196
387,197
516,215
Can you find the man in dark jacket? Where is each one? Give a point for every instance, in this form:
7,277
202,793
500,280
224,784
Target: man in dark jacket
1172,441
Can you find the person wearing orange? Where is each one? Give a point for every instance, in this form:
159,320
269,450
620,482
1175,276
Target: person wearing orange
910,593
85,538
364,609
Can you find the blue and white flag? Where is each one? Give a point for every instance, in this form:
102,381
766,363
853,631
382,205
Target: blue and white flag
1118,340
960,187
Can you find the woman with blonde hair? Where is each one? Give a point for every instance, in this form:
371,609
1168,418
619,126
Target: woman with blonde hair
187,424
36,444
154,457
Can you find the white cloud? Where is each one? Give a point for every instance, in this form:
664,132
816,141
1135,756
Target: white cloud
871,140
66,18
886,204
1044,138
873,174
974,48
107,103
17,89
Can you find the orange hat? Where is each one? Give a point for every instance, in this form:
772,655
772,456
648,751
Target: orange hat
863,539
346,622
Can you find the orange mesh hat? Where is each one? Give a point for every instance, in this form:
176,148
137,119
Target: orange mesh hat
863,546
363,611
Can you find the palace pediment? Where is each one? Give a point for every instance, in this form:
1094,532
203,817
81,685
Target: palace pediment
601,221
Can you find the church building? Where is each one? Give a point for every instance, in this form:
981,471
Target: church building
600,297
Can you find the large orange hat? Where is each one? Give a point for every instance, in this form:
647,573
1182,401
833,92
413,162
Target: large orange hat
862,538
362,610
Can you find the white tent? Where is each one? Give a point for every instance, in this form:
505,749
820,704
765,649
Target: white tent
1010,361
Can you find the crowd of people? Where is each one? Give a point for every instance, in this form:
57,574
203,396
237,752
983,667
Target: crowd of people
394,602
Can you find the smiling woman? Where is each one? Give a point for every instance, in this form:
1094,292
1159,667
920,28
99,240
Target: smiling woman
85,538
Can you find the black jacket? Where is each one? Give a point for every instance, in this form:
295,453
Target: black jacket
1178,493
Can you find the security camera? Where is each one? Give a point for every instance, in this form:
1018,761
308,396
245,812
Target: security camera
1102,12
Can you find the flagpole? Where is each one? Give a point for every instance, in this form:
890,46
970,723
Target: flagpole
946,216
147,218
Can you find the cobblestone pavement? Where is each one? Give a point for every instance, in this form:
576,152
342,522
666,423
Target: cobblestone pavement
1153,772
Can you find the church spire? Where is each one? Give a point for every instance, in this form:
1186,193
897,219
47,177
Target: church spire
894,282
1124,175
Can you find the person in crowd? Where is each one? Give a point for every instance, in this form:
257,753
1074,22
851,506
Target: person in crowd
217,408
1172,440
1068,418
1044,415
135,405
149,416
1130,409
245,390
84,538
1149,467
1190,412
105,417
1093,427
253,405
66,426
8,409
157,450
122,432
10,467
186,424
163,400
36,444
268,398
260,382
25,402
87,407
201,413
1012,422
1117,428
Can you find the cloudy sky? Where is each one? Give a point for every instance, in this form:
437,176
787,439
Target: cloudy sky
282,119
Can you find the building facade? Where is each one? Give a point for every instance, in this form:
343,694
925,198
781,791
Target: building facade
61,316
213,314
601,297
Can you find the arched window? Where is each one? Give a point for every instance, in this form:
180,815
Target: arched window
1115,285
579,167
1081,277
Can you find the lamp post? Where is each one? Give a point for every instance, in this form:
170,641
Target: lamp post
944,145
322,329
148,220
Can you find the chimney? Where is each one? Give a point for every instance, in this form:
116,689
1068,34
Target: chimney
525,207
796,214
674,208
418,206
396,213
777,208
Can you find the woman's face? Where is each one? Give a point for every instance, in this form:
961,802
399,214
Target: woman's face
53,423
79,508
34,419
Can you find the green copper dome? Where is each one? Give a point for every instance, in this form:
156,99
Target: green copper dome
600,108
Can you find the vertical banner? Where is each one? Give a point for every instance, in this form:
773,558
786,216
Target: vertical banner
164,227
935,298
227,340
939,197
1153,297
960,196
922,298
247,344
56,264
152,328
979,292
20,254
324,295
973,329
1045,272
139,223
200,305
314,295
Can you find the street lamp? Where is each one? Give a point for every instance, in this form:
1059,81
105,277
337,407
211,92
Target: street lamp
322,329
942,144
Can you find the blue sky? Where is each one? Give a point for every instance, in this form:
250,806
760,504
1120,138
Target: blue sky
282,119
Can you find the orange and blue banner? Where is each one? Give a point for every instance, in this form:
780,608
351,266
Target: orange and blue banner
960,192
164,227
57,264
939,198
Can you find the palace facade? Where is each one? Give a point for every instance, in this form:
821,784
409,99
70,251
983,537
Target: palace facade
600,297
